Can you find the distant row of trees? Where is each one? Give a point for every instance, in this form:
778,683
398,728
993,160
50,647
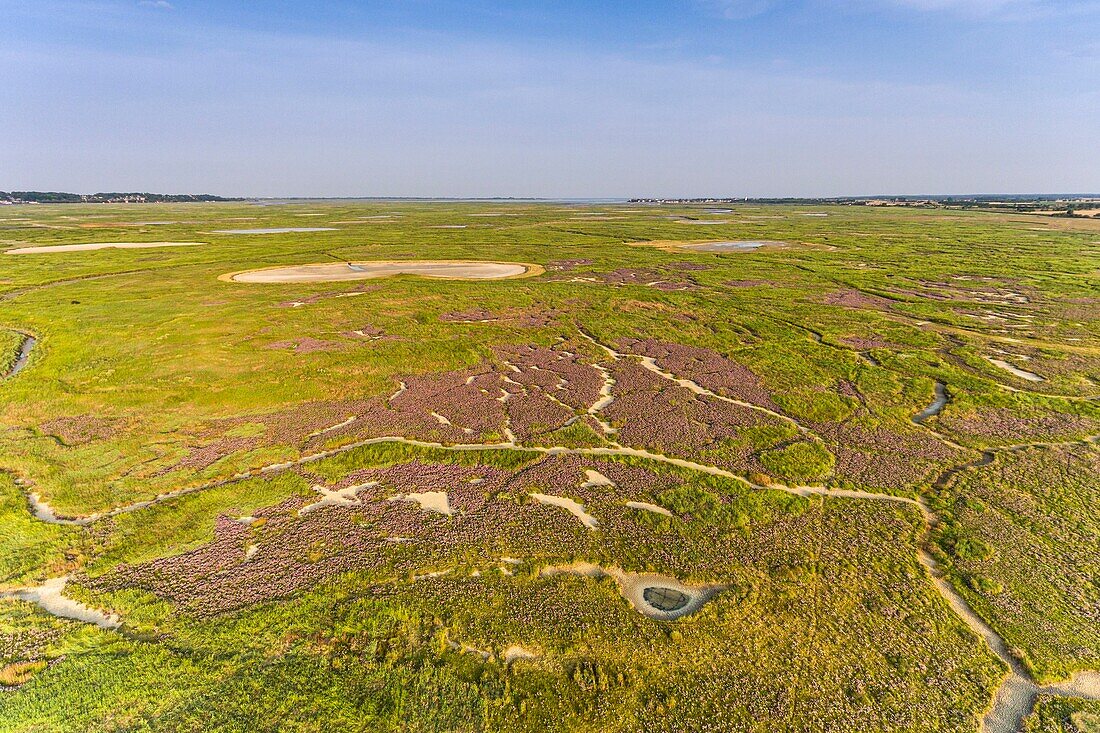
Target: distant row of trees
1053,204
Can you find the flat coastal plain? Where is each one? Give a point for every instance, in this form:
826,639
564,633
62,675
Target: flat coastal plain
494,466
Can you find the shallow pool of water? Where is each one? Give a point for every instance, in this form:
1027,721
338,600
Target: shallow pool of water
740,245
660,597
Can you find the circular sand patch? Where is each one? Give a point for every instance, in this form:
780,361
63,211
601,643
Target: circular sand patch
97,245
657,596
340,271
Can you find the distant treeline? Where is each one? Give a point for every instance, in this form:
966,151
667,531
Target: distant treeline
57,197
1056,204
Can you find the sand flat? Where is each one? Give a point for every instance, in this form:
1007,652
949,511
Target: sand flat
50,597
1017,371
595,478
645,505
340,271
573,507
275,230
97,245
336,497
431,501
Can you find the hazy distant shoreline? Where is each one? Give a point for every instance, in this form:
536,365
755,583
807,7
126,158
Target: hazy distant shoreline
1070,205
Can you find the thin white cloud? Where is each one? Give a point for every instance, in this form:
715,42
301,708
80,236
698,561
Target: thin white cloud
162,4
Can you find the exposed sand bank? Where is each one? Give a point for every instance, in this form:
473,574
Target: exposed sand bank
595,478
574,508
49,598
432,501
366,270
338,497
649,507
1015,370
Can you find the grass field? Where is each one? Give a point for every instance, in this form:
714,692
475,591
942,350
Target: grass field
214,462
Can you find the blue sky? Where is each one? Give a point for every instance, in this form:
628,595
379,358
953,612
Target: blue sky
554,98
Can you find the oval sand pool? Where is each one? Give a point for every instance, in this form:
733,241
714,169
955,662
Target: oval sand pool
340,271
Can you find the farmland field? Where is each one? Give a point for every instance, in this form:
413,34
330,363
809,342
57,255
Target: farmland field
566,467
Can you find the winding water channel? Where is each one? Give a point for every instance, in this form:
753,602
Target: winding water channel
24,355
936,407
1012,702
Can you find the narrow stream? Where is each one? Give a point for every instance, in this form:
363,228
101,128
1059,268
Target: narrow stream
23,356
1012,702
936,407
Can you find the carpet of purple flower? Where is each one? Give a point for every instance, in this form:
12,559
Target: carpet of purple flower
796,592
411,504
1021,534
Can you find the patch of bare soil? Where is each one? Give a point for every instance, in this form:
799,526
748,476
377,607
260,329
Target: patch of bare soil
366,270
